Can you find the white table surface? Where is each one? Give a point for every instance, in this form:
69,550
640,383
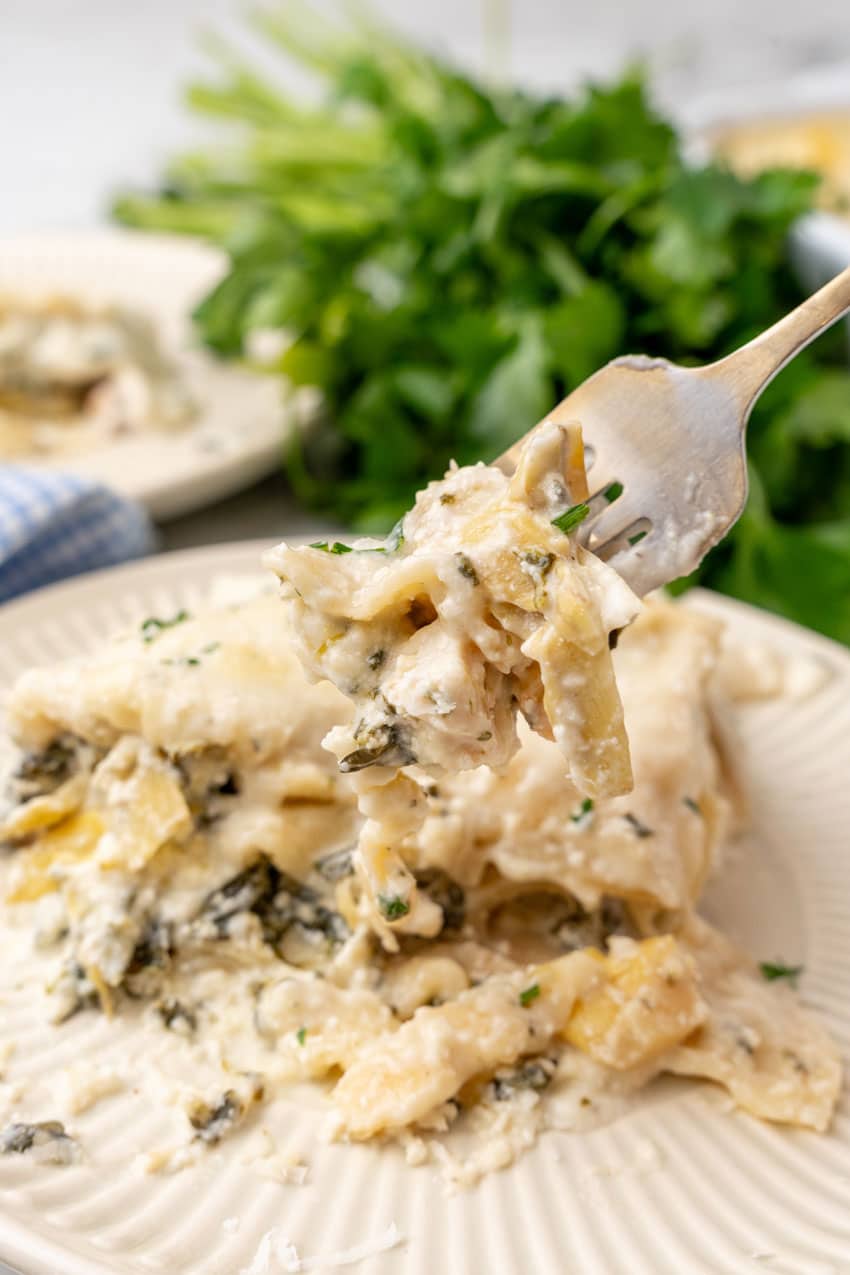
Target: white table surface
89,99
89,95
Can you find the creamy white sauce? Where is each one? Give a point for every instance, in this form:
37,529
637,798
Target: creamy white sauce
73,377
434,1042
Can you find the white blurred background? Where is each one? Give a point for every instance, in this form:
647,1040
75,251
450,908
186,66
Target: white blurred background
90,89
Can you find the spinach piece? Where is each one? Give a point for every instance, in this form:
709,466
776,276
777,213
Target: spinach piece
281,904
384,744
576,928
446,893
534,1074
466,569
42,772
177,1017
47,1138
211,1121
336,865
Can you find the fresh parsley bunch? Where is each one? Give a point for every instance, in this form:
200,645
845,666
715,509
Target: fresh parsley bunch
450,259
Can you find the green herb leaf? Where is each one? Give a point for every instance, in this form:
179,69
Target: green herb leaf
187,661
584,809
337,547
773,970
529,994
301,1035
517,390
571,518
391,907
153,626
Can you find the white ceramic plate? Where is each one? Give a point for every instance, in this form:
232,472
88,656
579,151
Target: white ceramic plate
239,433
681,1186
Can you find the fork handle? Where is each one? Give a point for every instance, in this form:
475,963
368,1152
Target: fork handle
748,370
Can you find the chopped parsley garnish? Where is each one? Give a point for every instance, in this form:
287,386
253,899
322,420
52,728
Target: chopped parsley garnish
190,661
393,542
153,626
773,970
637,537
392,907
584,809
376,659
301,1035
529,994
337,547
466,569
572,517
613,492
692,805
484,736
639,829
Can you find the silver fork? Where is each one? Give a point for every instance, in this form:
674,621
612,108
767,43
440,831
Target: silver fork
665,445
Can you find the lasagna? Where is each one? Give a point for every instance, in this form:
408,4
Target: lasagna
480,609
184,848
75,376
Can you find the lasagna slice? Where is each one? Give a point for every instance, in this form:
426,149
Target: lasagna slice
181,845
482,607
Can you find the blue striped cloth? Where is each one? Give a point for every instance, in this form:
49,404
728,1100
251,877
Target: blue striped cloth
54,525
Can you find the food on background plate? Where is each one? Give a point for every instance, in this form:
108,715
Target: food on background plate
74,376
815,140
181,843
